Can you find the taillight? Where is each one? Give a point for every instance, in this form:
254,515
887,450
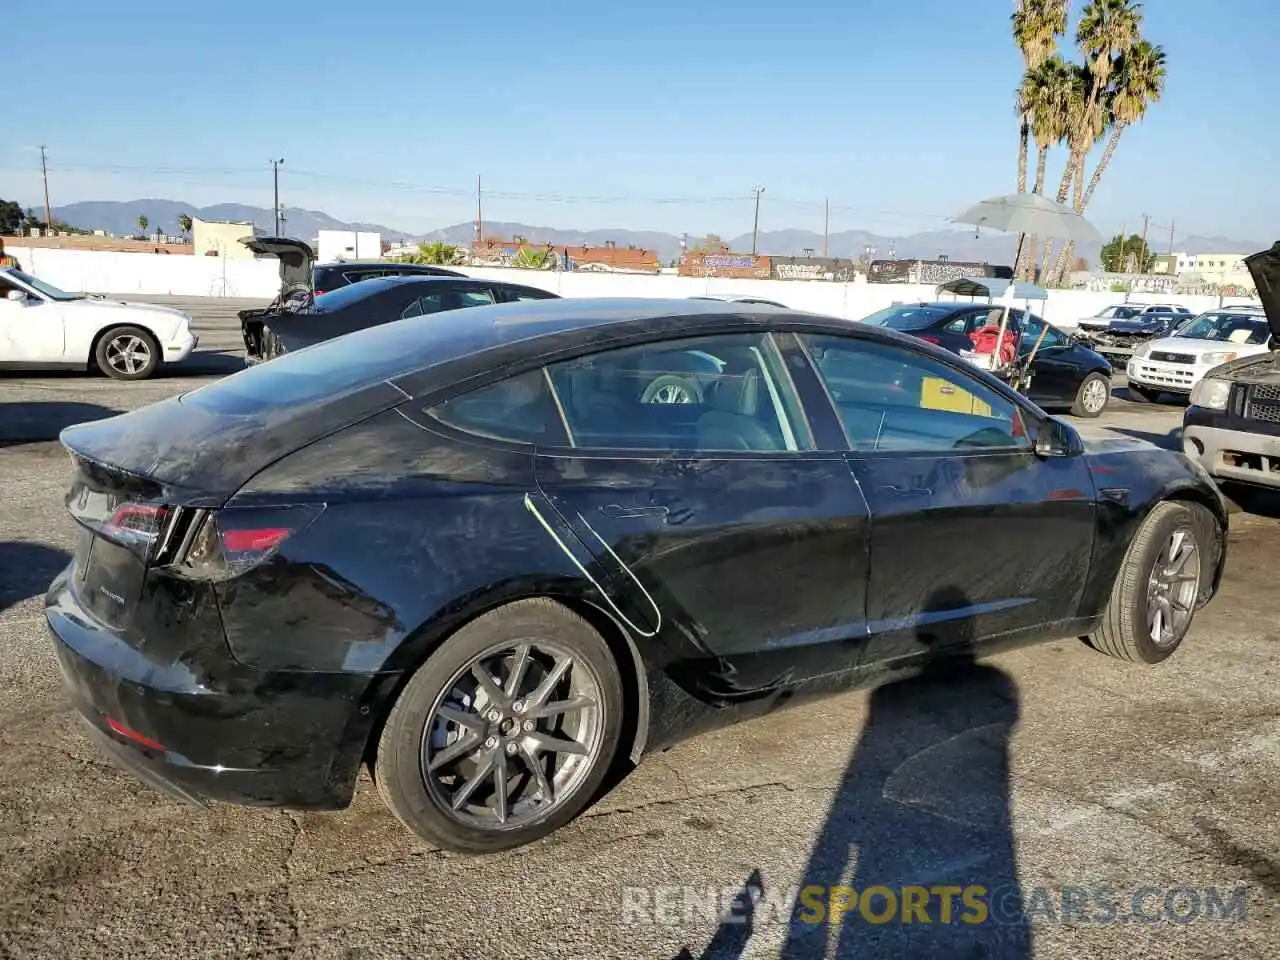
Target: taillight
928,338
137,524
236,539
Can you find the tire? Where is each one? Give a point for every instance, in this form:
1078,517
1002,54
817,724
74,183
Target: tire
415,731
1125,631
1139,394
668,387
127,353
1087,397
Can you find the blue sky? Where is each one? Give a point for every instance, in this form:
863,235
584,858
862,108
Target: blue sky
649,116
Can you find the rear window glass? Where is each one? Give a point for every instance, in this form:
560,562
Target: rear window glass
346,295
518,409
907,318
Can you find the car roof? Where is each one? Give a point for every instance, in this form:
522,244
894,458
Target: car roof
377,265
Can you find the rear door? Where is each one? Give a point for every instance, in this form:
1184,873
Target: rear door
693,491
973,537
1056,369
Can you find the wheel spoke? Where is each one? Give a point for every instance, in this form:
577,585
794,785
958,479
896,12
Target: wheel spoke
485,679
463,718
467,789
465,744
546,743
518,667
500,786
553,677
557,707
534,763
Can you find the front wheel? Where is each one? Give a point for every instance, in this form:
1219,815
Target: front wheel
1091,398
1159,585
127,353
505,733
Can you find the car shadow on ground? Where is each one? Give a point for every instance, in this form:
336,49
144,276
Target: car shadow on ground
38,421
921,817
27,569
205,363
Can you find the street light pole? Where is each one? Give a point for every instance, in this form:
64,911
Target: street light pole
755,226
275,176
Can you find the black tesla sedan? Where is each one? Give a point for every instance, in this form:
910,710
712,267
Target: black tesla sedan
485,556
1066,373
367,303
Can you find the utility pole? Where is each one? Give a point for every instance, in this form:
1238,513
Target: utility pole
275,176
1142,248
48,211
1171,224
755,227
479,214
826,226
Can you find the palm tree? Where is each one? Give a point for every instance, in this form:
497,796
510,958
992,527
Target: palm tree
142,224
1139,82
1107,30
184,223
1037,24
1045,98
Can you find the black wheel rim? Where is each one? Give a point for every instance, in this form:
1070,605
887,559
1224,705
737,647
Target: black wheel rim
513,735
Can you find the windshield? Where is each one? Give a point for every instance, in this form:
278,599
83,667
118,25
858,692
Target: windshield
1225,327
906,319
1119,313
345,296
48,289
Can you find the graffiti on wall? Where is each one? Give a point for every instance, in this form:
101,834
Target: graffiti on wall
933,271
813,268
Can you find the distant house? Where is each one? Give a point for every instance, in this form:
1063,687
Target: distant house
608,257
221,238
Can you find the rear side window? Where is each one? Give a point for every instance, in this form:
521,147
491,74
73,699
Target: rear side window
519,409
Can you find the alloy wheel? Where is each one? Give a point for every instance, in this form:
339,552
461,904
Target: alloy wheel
1172,588
1095,396
128,354
513,735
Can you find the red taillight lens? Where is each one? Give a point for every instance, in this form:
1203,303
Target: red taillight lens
928,338
235,539
130,734
134,523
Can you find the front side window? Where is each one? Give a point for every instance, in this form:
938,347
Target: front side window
712,394
519,409
1034,326
891,399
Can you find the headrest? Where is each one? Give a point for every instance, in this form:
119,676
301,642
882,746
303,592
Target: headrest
737,391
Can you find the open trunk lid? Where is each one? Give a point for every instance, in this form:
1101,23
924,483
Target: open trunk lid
297,263
1264,267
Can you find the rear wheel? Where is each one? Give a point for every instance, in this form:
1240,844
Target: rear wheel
127,353
1143,394
506,732
1158,587
1091,398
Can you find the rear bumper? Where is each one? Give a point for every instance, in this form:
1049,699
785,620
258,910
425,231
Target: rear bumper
1234,454
200,726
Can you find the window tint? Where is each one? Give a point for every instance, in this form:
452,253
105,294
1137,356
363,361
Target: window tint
474,298
713,394
355,276
908,319
518,409
528,295
894,399
1033,326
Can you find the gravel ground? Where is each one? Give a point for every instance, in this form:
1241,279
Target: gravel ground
1054,770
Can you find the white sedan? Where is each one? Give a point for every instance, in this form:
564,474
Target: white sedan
42,327
1177,363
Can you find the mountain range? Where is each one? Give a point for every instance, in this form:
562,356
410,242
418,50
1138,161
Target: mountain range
121,217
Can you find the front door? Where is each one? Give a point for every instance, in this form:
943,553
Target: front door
973,537
723,537
31,330
1054,371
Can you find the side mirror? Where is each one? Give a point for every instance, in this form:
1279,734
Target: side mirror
1055,438
16,295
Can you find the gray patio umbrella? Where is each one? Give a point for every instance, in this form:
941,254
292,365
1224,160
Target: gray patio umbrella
1031,214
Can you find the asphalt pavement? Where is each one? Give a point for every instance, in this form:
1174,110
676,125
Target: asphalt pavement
1132,810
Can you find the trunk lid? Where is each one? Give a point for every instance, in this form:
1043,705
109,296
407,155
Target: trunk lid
297,261
1264,267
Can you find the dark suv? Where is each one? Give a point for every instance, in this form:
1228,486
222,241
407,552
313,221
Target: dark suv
331,276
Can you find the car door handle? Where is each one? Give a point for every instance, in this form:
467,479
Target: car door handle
900,491
616,511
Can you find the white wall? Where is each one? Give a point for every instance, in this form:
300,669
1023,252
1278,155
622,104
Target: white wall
181,275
